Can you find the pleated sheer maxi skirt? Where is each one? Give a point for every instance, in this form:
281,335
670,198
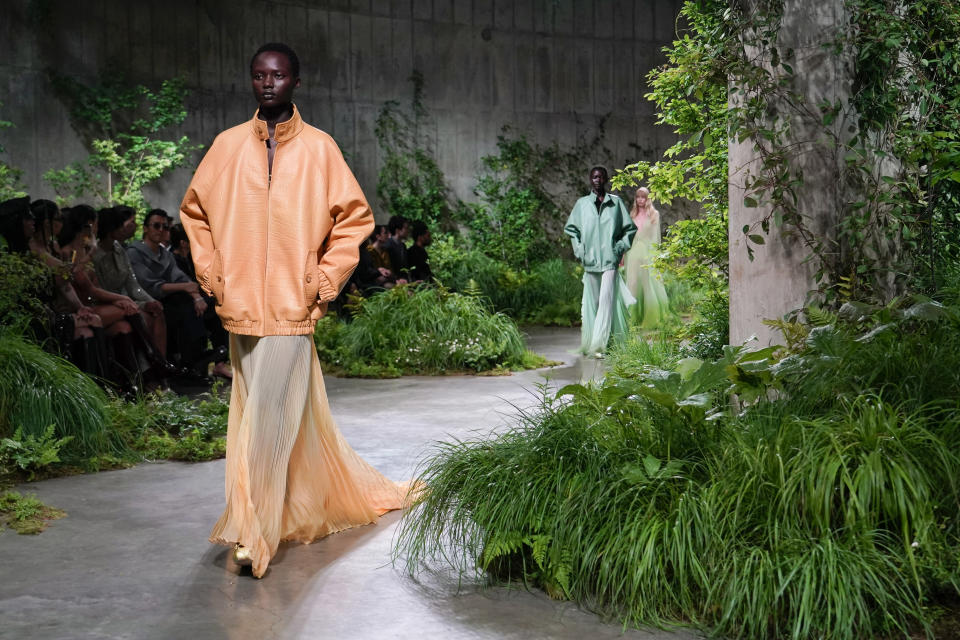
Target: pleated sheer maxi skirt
290,473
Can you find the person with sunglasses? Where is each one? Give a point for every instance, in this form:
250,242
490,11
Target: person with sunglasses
183,306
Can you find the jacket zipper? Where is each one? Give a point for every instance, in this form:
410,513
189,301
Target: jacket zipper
266,252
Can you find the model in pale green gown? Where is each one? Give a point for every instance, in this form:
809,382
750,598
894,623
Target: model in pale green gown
643,280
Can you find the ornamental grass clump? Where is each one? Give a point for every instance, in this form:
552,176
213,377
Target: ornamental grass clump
39,389
420,330
826,504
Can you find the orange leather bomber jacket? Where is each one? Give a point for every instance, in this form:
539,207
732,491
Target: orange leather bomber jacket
274,250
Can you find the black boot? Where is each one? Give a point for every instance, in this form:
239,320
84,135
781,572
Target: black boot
87,357
127,372
158,364
102,358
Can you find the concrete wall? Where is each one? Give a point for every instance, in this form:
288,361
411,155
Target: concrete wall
551,67
781,275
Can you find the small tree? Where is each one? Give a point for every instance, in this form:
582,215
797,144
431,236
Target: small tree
124,129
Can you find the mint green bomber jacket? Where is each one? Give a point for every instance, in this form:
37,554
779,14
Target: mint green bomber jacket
599,239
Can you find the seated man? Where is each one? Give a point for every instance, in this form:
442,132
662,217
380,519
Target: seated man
183,306
379,258
219,338
399,228
417,261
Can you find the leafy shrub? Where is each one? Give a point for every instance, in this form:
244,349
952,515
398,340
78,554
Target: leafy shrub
167,426
24,283
30,454
526,191
548,293
709,330
419,330
826,505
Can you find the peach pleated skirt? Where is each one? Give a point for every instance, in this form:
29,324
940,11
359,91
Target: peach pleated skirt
290,473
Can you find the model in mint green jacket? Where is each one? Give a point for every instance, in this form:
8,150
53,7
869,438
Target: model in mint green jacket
600,238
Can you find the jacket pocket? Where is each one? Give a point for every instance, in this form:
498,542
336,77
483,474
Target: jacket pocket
311,280
217,277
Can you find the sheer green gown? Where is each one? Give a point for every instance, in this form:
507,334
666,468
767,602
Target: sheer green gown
643,281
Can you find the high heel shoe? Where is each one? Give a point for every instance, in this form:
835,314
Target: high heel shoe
242,555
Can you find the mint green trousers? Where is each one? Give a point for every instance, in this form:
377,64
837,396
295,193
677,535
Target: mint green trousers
604,311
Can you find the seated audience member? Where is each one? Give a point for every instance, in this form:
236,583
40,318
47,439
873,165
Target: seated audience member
219,338
118,313
165,238
375,258
77,329
417,260
115,226
399,228
49,222
17,224
157,272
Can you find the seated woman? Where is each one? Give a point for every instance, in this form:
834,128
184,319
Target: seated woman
118,312
27,228
114,273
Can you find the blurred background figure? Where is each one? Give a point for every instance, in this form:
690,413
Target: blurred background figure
645,282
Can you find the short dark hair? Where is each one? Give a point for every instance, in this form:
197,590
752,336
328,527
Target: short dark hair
177,233
112,219
601,168
75,219
396,223
418,229
44,210
279,47
12,214
152,213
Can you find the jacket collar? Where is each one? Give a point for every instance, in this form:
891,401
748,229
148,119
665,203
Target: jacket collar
284,131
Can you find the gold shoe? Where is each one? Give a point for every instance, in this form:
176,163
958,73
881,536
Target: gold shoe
242,555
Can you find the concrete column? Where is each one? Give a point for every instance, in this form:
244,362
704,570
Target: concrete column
781,275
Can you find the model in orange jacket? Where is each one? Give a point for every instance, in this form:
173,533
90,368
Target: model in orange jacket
274,244
275,219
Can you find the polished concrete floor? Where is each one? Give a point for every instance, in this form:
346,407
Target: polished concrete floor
131,560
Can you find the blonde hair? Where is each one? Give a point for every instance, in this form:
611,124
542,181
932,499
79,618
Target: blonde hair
650,211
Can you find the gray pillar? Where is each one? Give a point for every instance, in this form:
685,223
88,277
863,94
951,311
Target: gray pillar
781,275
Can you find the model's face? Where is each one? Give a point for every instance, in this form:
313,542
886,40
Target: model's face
598,178
155,228
272,81
642,198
